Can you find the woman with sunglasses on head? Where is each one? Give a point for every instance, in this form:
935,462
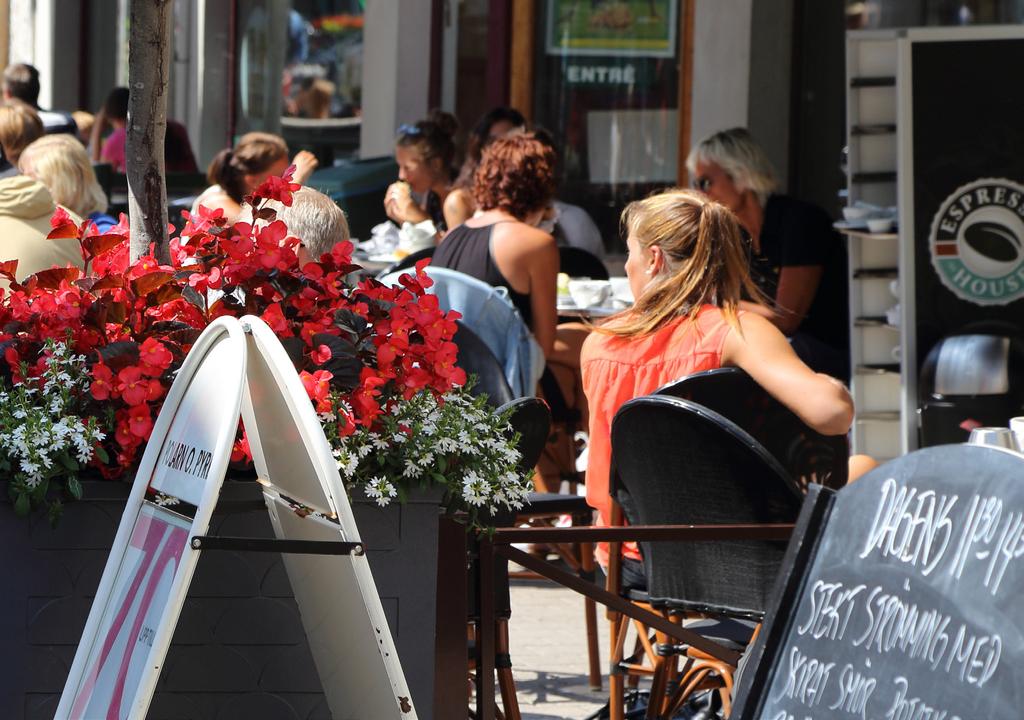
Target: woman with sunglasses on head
424,153
687,268
796,259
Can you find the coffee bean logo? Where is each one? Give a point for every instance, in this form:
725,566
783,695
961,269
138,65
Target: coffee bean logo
993,241
977,241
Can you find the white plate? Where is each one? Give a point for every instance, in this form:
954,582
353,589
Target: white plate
850,225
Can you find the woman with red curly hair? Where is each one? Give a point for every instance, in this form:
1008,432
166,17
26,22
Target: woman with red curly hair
502,246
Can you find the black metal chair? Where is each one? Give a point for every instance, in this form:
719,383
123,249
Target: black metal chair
409,261
807,455
579,263
477,359
675,462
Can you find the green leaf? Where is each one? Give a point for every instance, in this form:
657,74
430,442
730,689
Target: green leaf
439,478
442,463
101,453
39,493
74,487
22,505
54,512
69,462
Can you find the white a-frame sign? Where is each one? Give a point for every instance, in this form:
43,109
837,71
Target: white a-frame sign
156,548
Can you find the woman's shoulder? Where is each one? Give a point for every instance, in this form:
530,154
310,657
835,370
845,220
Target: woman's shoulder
214,197
527,236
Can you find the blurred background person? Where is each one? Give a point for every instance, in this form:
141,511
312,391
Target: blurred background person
84,121
62,165
796,258
459,205
110,148
235,172
21,82
20,126
25,210
570,224
424,153
313,99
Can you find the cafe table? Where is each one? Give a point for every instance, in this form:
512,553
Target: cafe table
567,308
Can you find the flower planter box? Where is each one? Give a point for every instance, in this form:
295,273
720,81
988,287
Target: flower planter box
239,650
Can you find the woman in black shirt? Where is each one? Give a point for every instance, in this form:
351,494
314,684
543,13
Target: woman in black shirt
797,259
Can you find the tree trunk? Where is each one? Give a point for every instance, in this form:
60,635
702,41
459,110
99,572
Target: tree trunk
149,60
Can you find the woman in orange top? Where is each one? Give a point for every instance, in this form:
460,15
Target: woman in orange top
687,268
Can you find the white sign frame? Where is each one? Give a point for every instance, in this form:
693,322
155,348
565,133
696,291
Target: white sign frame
224,339
358,663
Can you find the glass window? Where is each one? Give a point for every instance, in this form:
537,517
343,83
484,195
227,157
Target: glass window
300,71
323,69
899,13
607,87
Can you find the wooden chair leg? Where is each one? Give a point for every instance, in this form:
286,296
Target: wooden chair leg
506,683
616,691
590,614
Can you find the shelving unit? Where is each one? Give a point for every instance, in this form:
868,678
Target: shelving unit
876,343
927,115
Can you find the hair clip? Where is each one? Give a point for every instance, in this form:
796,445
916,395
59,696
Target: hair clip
406,129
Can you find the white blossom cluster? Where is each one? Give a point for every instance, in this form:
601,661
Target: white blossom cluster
40,435
459,442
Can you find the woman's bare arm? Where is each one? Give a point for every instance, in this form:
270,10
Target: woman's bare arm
458,207
764,353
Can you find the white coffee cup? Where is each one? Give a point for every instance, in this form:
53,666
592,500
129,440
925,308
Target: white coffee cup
1017,427
588,293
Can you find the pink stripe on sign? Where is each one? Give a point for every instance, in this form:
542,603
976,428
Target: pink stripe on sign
169,553
154,539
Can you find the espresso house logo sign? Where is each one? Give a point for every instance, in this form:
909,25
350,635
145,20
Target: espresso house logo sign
977,241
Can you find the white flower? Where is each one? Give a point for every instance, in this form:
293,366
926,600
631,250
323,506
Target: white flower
426,460
380,490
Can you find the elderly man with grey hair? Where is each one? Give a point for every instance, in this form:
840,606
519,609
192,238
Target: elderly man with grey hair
314,219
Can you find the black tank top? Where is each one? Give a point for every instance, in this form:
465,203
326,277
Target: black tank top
468,250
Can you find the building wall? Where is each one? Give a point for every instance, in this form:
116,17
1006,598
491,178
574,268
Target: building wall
396,71
770,93
721,65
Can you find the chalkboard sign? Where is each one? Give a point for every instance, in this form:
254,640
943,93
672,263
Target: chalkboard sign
907,601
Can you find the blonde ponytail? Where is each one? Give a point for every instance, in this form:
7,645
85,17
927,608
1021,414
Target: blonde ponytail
705,261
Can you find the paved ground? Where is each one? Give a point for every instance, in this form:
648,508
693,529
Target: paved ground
549,652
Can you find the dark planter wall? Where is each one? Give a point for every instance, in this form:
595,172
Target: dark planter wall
239,650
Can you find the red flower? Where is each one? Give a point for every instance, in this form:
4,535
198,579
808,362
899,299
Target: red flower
274,317
102,382
240,451
140,423
320,355
318,387
135,388
278,188
155,356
